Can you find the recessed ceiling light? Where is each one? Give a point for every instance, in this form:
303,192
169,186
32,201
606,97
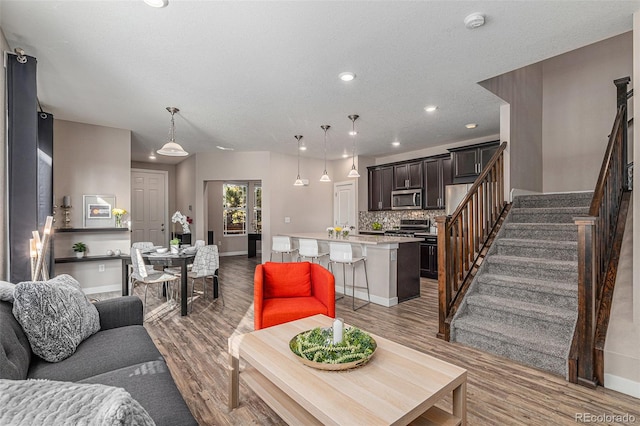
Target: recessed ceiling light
303,148
474,20
345,155
395,143
471,125
152,156
224,148
157,3
430,108
346,76
352,133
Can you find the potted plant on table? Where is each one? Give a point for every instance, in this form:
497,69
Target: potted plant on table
175,245
79,248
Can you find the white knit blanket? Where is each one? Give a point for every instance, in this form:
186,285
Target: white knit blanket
43,402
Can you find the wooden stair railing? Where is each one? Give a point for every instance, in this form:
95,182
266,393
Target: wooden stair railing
596,233
463,235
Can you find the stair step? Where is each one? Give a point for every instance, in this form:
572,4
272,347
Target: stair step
554,200
541,231
546,319
546,214
550,293
541,269
560,250
524,345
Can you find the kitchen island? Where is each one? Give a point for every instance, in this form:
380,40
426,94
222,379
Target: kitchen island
393,265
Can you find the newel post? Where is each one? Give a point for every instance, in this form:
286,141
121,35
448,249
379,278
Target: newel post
586,299
444,276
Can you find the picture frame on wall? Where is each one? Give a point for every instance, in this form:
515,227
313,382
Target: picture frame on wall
97,211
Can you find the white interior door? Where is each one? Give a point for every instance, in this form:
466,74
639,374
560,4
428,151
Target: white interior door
149,193
344,206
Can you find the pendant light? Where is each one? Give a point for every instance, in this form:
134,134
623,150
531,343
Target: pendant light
325,175
172,148
353,173
298,181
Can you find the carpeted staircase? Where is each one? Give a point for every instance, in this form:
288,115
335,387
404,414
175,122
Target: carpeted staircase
522,303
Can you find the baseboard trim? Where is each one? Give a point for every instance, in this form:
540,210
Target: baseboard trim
102,289
234,253
362,295
622,385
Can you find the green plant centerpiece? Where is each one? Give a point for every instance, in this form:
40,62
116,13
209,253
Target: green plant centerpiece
174,242
315,348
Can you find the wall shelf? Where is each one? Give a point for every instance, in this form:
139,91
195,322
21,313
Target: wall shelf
86,259
92,230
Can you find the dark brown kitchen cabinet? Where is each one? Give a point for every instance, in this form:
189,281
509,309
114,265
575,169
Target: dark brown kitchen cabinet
429,258
380,186
469,161
437,174
407,175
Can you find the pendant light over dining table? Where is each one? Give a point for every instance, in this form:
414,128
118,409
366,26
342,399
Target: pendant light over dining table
353,173
172,148
298,181
325,175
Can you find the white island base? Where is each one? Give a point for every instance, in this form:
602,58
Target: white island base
393,266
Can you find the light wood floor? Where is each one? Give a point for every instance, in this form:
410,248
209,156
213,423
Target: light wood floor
499,392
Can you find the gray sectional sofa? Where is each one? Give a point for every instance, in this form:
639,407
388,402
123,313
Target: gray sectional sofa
121,354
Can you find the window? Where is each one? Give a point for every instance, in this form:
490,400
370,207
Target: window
234,206
257,208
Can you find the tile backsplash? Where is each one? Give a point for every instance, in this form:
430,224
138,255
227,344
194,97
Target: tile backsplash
391,219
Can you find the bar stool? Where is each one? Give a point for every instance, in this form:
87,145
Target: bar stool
282,245
342,253
309,249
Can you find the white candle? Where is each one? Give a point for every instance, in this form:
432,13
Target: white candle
338,327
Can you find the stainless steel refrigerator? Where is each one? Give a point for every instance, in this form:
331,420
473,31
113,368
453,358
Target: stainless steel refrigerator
454,194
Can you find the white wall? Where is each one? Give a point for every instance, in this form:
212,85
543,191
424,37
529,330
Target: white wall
4,248
91,160
579,106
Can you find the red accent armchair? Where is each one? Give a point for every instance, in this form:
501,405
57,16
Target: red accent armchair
284,292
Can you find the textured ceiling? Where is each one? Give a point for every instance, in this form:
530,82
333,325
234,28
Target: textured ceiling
250,75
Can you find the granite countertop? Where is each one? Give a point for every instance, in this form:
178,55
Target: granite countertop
356,239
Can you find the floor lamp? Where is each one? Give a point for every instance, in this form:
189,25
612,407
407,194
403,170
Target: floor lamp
39,247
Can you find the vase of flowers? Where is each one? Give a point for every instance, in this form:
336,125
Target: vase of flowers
118,214
330,232
338,231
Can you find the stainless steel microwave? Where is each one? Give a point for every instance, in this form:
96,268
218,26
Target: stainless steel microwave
407,199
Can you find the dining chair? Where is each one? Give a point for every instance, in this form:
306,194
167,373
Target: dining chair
342,253
308,249
142,275
206,264
282,245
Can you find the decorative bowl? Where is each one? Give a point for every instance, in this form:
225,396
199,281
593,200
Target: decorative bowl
343,356
162,250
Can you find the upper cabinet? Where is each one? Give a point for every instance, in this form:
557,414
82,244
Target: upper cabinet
469,161
437,174
380,185
407,175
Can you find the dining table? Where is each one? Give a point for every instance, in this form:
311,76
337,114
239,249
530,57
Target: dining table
164,260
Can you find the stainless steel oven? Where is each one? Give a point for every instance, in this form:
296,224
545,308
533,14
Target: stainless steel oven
407,199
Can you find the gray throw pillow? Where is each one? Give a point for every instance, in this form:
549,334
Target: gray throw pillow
55,315
43,402
6,291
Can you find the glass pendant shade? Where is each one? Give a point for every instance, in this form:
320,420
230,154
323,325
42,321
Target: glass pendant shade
298,181
353,173
172,148
325,176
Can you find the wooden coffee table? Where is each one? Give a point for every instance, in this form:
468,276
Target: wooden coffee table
398,386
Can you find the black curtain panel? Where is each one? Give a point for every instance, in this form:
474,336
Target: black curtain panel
45,175
24,193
